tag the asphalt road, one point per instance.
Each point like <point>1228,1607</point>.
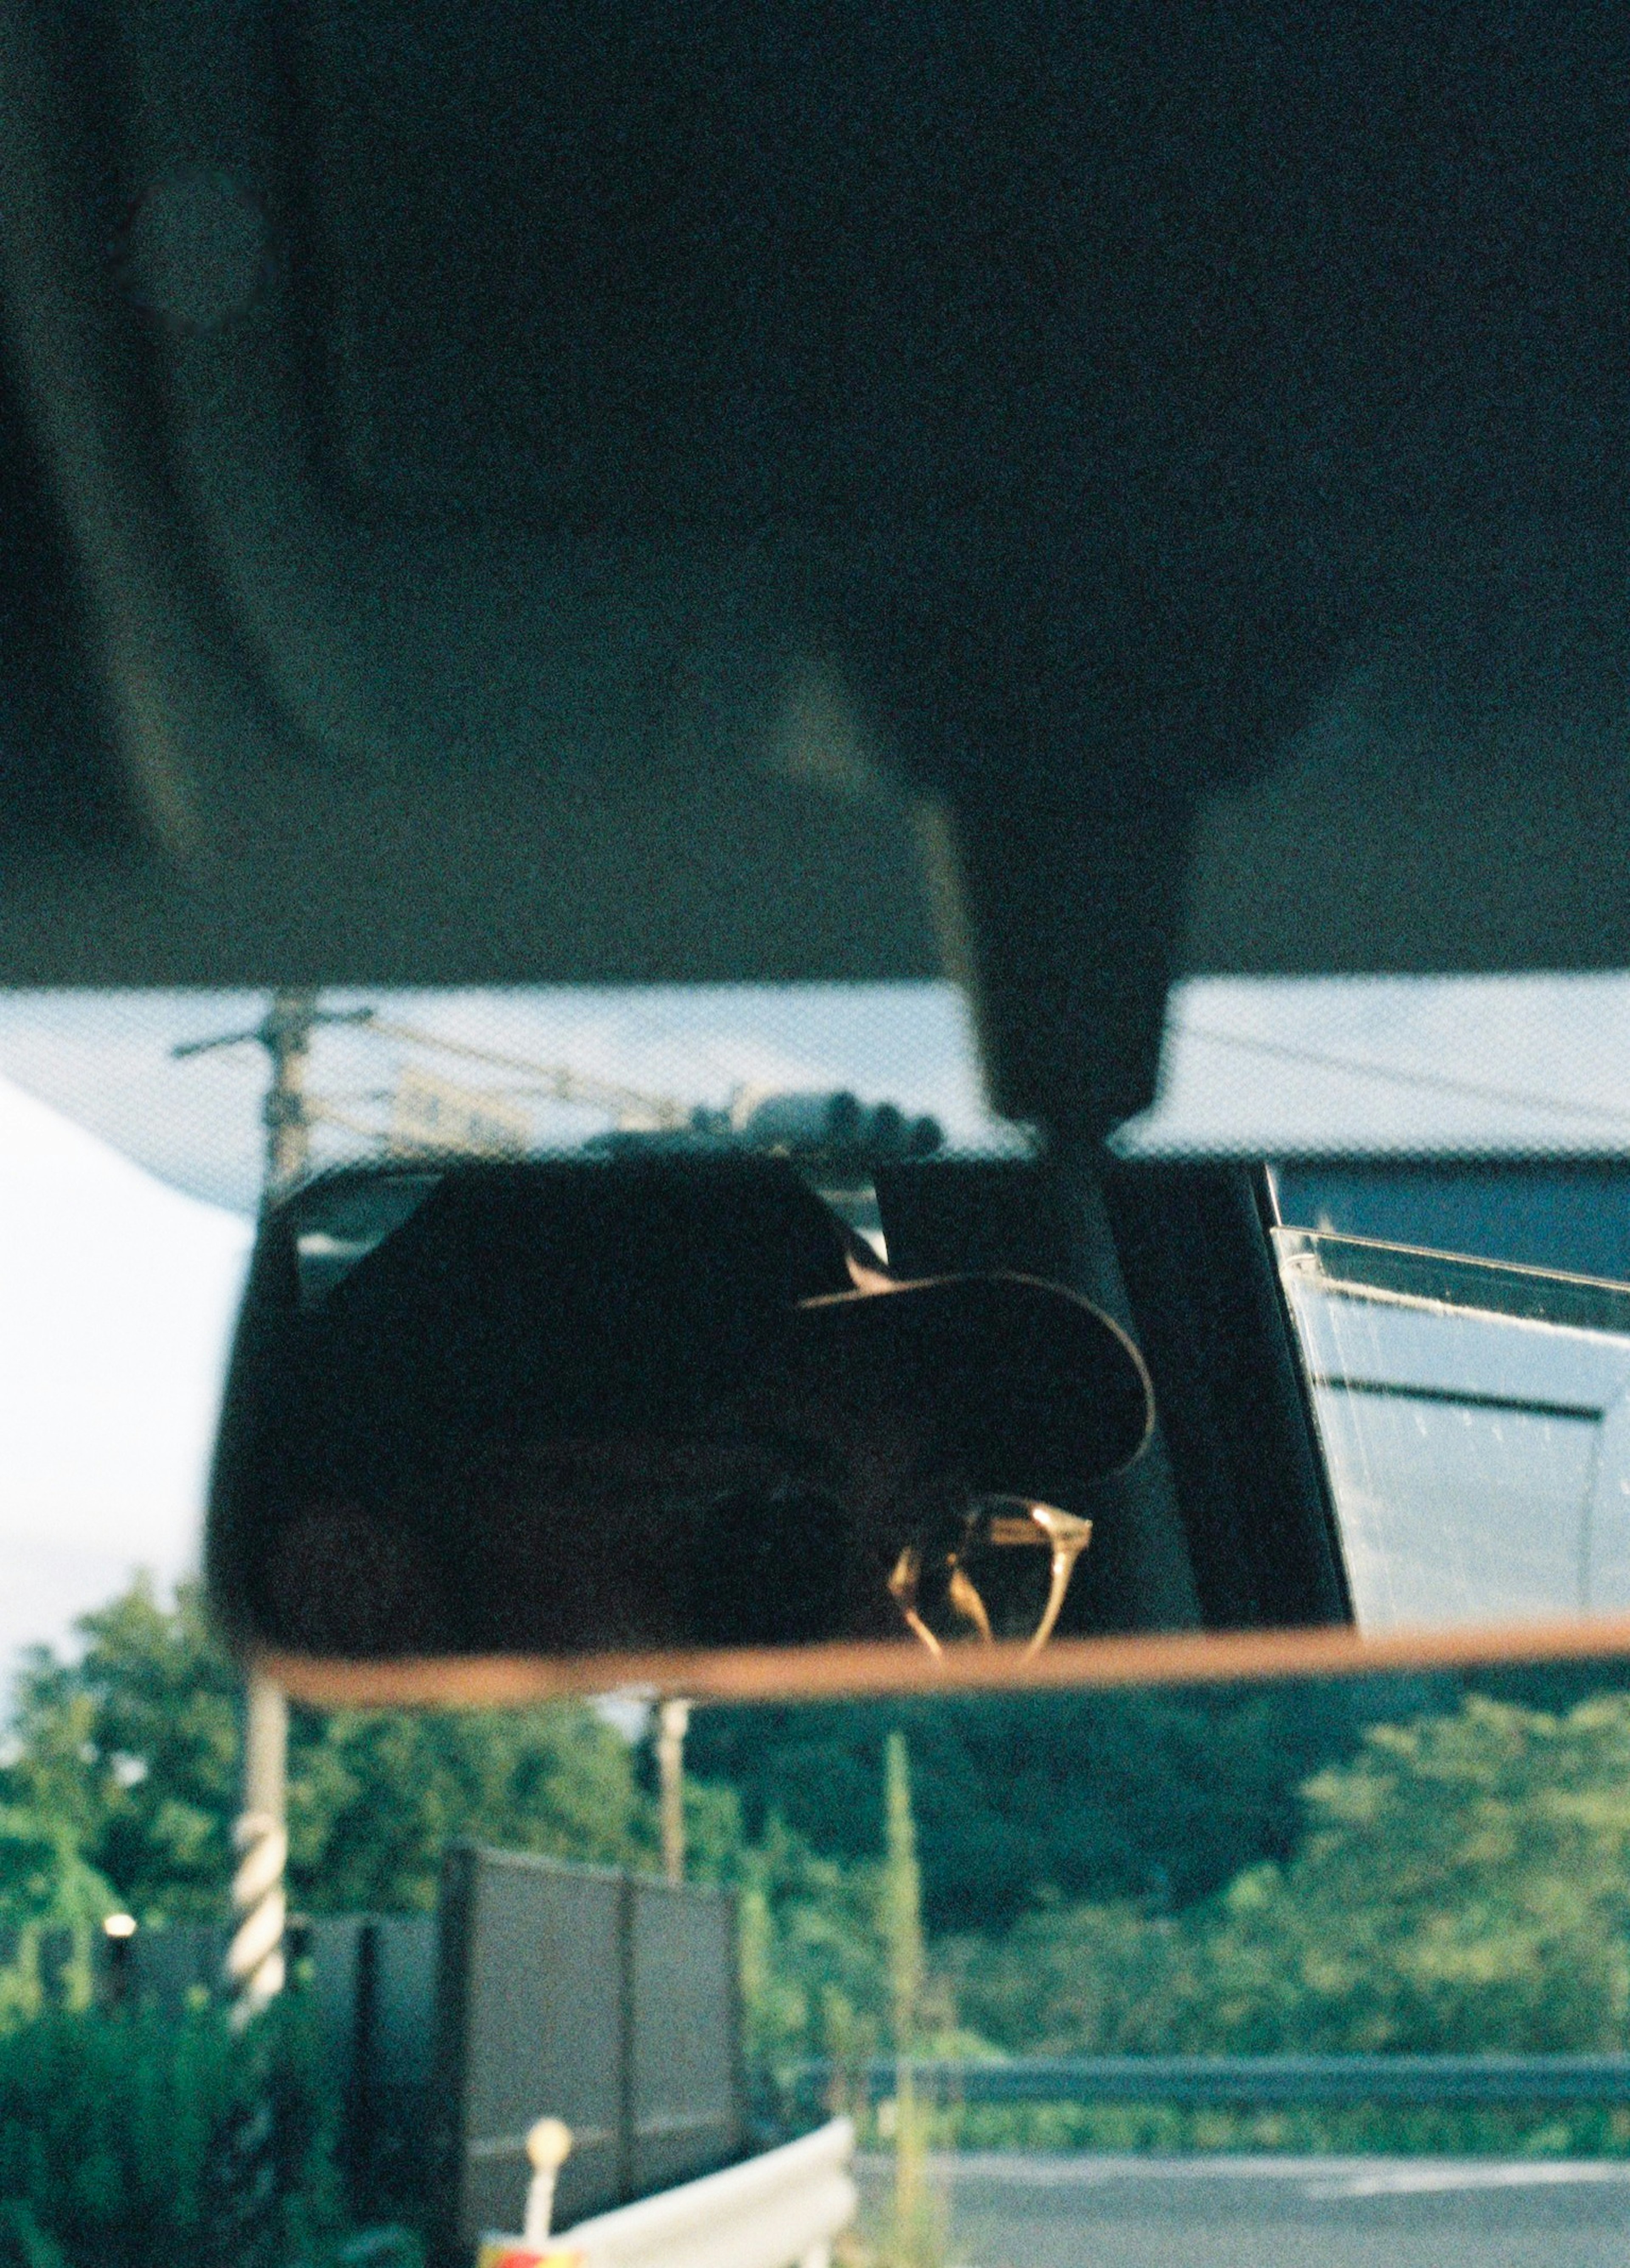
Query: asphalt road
<point>1015,2212</point>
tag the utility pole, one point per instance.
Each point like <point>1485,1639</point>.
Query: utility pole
<point>255,1960</point>
<point>286,1035</point>
<point>673,1723</point>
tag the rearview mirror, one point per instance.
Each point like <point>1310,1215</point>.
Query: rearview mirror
<point>656,1405</point>
<point>665,1417</point>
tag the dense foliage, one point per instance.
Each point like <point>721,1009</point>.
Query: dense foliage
<point>146,2142</point>
<point>1391,1867</point>
<point>128,1758</point>
<point>1463,1883</point>
<point>1157,1797</point>
<point>1394,1867</point>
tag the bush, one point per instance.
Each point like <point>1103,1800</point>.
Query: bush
<point>129,2140</point>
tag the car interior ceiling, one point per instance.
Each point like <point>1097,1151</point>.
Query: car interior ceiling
<point>1292,483</point>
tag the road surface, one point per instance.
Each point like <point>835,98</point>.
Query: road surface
<point>1023,2212</point>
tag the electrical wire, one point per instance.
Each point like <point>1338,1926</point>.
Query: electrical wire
<point>557,1082</point>
<point>1396,1075</point>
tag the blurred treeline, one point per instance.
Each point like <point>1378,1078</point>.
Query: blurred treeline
<point>1461,1883</point>
<point>1376,1865</point>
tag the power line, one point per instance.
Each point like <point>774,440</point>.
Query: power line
<point>1396,1075</point>
<point>557,1082</point>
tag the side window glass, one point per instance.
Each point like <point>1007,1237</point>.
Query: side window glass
<point>1475,1422</point>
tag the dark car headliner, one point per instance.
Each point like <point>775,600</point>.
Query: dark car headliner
<point>764,492</point>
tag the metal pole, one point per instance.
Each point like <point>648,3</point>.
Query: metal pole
<point>254,1963</point>
<point>673,1723</point>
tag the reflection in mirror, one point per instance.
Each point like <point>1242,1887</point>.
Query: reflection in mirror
<point>667,1402</point>
<point>960,1573</point>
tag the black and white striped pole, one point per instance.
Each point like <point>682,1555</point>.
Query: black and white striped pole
<point>255,1966</point>
<point>255,1959</point>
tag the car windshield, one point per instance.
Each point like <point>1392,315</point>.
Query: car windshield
<point>815,1135</point>
<point>136,1130</point>
<point>974,1926</point>
<point>1393,1118</point>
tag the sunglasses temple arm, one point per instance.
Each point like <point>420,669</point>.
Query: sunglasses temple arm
<point>1069,1543</point>
<point>903,1589</point>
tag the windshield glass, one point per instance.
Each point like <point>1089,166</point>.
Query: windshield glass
<point>752,1915</point>
<point>179,1080</point>
<point>139,1131</point>
<point>1468,1116</point>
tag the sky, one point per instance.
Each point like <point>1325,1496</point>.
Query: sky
<point>1272,1067</point>
<point>106,1059</point>
<point>119,1296</point>
<point>129,1177</point>
<point>1250,1067</point>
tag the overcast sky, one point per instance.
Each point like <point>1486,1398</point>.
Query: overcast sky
<point>118,1300</point>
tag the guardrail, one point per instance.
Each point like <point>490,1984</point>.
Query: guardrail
<point>780,2209</point>
<point>1253,2081</point>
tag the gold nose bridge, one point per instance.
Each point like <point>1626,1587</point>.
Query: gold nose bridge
<point>1064,1534</point>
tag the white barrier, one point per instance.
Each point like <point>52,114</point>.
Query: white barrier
<point>780,2210</point>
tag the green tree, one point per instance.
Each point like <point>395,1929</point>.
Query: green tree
<point>1075,1980</point>
<point>1463,1884</point>
<point>814,1978</point>
<point>374,1797</point>
<point>133,1748</point>
<point>1161,1798</point>
<point>131,1753</point>
<point>46,1886</point>
<point>44,1882</point>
